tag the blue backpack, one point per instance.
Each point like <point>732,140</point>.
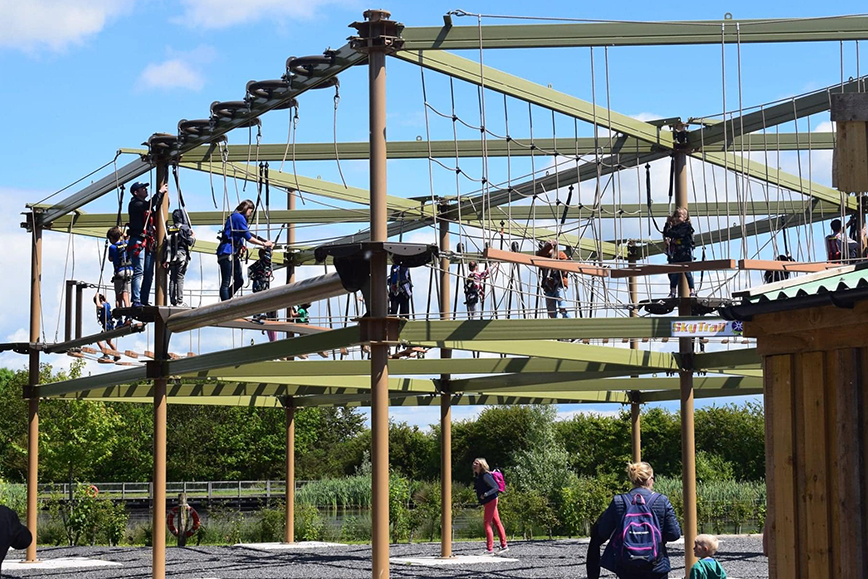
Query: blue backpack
<point>639,539</point>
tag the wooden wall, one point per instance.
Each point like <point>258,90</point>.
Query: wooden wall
<point>816,453</point>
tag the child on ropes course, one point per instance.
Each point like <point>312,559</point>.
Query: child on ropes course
<point>678,236</point>
<point>123,268</point>
<point>400,290</point>
<point>104,317</point>
<point>554,283</point>
<point>474,289</point>
<point>176,255</point>
<point>261,274</point>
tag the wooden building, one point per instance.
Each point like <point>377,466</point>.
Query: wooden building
<point>812,334</point>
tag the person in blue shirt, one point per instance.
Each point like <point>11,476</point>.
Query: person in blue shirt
<point>400,290</point>
<point>104,317</point>
<point>642,477</point>
<point>232,245</point>
<point>123,267</point>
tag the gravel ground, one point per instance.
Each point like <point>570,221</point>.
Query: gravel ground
<point>741,557</point>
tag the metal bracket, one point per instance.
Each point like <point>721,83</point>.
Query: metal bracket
<point>377,34</point>
<point>380,330</point>
<point>155,369</point>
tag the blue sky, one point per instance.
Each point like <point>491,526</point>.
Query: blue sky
<point>83,79</point>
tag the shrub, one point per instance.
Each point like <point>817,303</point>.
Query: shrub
<point>308,523</point>
<point>427,502</point>
<point>581,503</point>
<point>356,528</point>
<point>271,523</point>
<point>524,511</point>
<point>399,507</point>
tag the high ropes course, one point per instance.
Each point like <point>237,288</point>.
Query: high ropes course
<point>535,187</point>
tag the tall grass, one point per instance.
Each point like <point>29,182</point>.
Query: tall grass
<point>720,505</point>
<point>353,491</point>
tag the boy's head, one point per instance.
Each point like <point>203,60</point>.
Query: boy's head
<point>472,266</point>
<point>835,225</point>
<point>114,234</point>
<point>265,254</point>
<point>704,546</point>
<point>99,299</point>
<point>178,217</point>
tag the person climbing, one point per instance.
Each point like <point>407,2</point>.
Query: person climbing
<point>474,288</point>
<point>638,525</point>
<point>837,241</point>
<point>261,274</point>
<point>678,236</point>
<point>141,244</point>
<point>232,247</point>
<point>773,275</point>
<point>123,268</point>
<point>554,283</point>
<point>487,491</point>
<point>104,318</point>
<point>400,290</point>
<point>176,255</point>
<point>300,314</point>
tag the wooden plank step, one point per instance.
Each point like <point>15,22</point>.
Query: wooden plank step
<point>89,350</point>
<point>658,269</point>
<point>110,352</point>
<point>568,266</point>
<point>774,265</point>
<point>131,354</point>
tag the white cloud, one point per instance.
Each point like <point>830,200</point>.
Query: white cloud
<point>180,70</point>
<point>54,24</point>
<point>225,13</point>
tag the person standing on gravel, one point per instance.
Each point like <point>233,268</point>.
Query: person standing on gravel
<point>638,525</point>
<point>12,532</point>
<point>487,490</point>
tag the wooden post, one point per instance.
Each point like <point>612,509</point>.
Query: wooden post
<point>445,406</point>
<point>79,308</point>
<point>161,355</point>
<point>685,348</point>
<point>33,380</point>
<point>289,409</point>
<point>183,517</point>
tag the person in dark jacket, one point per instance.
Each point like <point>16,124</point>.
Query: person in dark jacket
<point>642,476</point>
<point>12,532</point>
<point>678,235</point>
<point>140,249</point>
<point>486,494</point>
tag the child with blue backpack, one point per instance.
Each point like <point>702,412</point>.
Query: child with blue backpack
<point>638,525</point>
<point>104,318</point>
<point>488,486</point>
<point>123,267</point>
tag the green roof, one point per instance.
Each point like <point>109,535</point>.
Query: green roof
<point>846,277</point>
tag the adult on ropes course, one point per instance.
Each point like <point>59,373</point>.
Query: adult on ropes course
<point>142,242</point>
<point>233,246</point>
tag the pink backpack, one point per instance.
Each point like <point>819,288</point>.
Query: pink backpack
<point>498,478</point>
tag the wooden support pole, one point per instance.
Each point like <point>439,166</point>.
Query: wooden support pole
<point>33,380</point>
<point>374,40</point>
<point>445,406</point>
<point>161,343</point>
<point>290,471</point>
<point>685,347</point>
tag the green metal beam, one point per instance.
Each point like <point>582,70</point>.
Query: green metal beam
<point>321,342</point>
<point>789,110</point>
<point>635,33</point>
<point>308,185</point>
<point>202,246</point>
<point>743,357</point>
<point>517,87</point>
<point>270,371</point>
<point>129,376</point>
<point>563,351</point>
<point>543,329</point>
<point>556,386</point>
<point>773,176</point>
<point>495,147</point>
<point>667,395</point>
<point>542,382</point>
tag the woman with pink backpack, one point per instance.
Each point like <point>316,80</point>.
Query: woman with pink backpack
<point>488,485</point>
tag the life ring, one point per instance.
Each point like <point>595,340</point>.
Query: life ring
<point>92,491</point>
<point>170,521</point>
